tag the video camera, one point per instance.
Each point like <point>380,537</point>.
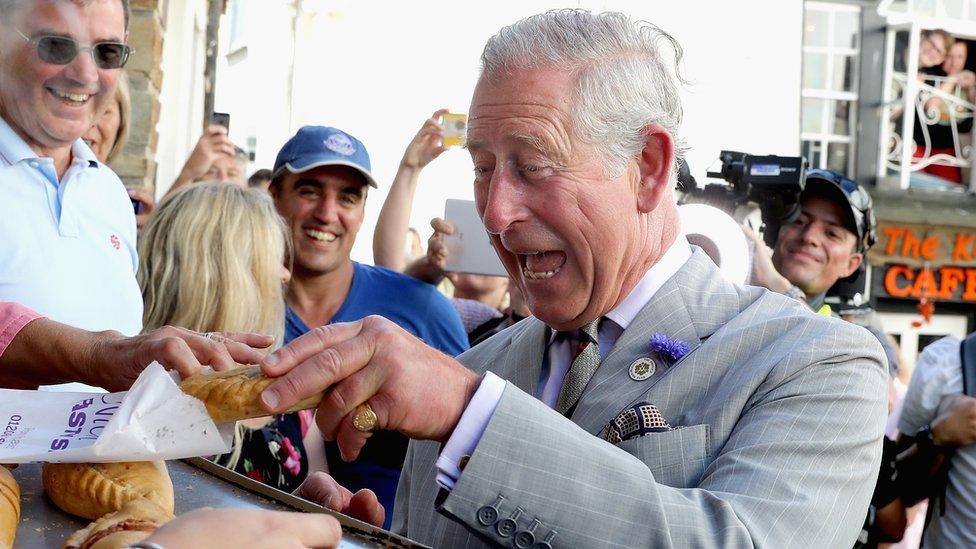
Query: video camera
<point>772,182</point>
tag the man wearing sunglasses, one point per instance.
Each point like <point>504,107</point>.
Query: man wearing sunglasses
<point>69,239</point>
<point>826,243</point>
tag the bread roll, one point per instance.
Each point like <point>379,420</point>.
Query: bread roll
<point>232,395</point>
<point>9,508</point>
<point>91,490</point>
<point>131,524</point>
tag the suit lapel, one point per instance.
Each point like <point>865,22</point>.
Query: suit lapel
<point>688,307</point>
<point>523,361</point>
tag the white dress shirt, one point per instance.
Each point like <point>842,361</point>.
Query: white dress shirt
<point>559,358</point>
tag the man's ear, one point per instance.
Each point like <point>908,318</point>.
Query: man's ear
<point>853,263</point>
<point>655,166</point>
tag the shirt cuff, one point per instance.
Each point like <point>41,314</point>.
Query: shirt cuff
<point>469,430</point>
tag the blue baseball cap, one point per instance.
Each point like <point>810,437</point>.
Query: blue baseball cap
<point>317,146</point>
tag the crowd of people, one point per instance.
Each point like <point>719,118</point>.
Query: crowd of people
<point>613,390</point>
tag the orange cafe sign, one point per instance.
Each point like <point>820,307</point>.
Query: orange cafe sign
<point>926,261</point>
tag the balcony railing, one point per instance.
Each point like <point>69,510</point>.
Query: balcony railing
<point>933,113</point>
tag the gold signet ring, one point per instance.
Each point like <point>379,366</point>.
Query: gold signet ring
<point>365,418</point>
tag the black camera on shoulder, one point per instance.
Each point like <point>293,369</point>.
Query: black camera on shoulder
<point>772,182</point>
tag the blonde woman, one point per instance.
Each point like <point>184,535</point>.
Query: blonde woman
<point>212,259</point>
<point>107,137</point>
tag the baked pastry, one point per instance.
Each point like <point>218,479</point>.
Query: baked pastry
<point>131,524</point>
<point>232,395</point>
<point>91,490</point>
<point>9,508</point>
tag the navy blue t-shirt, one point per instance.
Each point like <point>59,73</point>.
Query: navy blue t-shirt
<point>421,310</point>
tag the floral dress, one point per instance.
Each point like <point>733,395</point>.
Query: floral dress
<point>274,454</point>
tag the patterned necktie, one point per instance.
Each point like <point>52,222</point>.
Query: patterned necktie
<point>586,362</point>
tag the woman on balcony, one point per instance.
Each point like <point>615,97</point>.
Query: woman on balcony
<point>940,122</point>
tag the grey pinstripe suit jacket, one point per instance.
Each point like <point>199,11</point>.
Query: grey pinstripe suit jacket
<point>778,413</point>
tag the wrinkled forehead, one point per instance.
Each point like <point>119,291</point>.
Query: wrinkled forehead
<point>84,20</point>
<point>532,107</point>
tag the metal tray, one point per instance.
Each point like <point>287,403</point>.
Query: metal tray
<point>197,483</point>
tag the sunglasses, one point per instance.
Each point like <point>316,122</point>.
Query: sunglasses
<point>858,198</point>
<point>60,50</point>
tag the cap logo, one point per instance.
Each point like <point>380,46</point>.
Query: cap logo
<point>340,144</point>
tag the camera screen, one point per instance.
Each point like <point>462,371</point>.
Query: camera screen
<point>764,169</point>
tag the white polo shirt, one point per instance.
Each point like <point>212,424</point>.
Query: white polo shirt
<point>67,249</point>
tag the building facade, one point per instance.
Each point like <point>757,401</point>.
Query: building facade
<point>873,73</point>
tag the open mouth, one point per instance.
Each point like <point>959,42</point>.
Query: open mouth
<point>73,99</point>
<point>542,265</point>
<point>320,236</point>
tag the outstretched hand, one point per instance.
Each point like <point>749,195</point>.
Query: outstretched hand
<point>322,489</point>
<point>436,248</point>
<point>413,388</point>
<point>212,144</point>
<point>114,361</point>
<point>427,144</point>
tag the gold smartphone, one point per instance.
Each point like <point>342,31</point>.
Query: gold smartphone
<point>455,128</point>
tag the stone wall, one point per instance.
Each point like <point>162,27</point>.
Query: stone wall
<point>136,165</point>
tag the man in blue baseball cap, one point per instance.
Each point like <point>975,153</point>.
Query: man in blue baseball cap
<point>319,184</point>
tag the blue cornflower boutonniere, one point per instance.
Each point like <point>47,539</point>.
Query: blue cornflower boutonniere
<point>667,348</point>
<point>664,349</point>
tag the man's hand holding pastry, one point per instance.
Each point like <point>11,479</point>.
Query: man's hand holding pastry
<point>114,361</point>
<point>410,387</point>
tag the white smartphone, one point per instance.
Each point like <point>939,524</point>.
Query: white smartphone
<point>468,249</point>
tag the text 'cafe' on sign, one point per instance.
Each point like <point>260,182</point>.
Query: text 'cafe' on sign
<point>931,261</point>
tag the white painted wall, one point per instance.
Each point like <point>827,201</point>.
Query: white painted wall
<point>253,75</point>
<point>377,69</point>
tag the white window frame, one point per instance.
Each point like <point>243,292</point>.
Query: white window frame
<point>824,139</point>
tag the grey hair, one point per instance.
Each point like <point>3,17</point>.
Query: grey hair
<point>623,83</point>
<point>8,7</point>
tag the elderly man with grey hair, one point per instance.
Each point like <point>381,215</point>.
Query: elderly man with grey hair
<point>648,402</point>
